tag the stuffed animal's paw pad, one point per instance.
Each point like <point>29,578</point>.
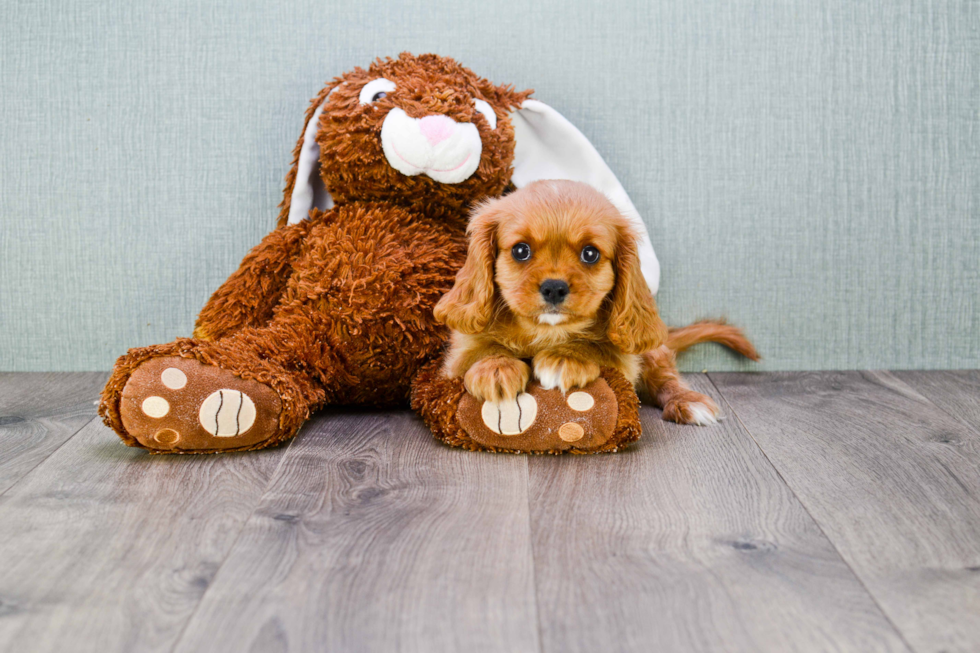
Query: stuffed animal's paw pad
<point>173,378</point>
<point>571,432</point>
<point>580,401</point>
<point>155,407</point>
<point>166,436</point>
<point>510,417</point>
<point>227,413</point>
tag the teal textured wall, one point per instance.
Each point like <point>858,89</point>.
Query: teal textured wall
<point>809,168</point>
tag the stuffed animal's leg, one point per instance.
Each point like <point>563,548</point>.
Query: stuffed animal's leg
<point>246,391</point>
<point>662,382</point>
<point>249,296</point>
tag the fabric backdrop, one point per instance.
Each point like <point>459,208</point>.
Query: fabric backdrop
<point>809,169</point>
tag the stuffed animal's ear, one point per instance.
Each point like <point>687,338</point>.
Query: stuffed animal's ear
<point>634,323</point>
<point>468,306</point>
<point>550,147</point>
<point>304,186</point>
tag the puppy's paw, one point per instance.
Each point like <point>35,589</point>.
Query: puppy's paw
<point>554,371</point>
<point>497,378</point>
<point>692,408</point>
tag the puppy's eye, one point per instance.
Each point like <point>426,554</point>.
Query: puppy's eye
<point>375,90</point>
<point>487,111</point>
<point>590,255</point>
<point>521,252</point>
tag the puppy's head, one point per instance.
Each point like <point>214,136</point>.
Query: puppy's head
<point>563,258</point>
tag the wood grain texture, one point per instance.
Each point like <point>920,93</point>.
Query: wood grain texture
<point>957,392</point>
<point>38,413</point>
<point>855,525</point>
<point>373,537</point>
<point>689,542</point>
<point>892,480</point>
<point>106,548</point>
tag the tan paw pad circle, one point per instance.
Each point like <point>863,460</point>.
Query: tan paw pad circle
<point>166,436</point>
<point>173,378</point>
<point>227,413</point>
<point>580,401</point>
<point>571,432</point>
<point>510,417</point>
<point>155,407</point>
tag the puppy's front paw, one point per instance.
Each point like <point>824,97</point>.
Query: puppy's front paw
<point>497,378</point>
<point>692,408</point>
<point>554,371</point>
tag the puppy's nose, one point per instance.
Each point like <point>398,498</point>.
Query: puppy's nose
<point>554,291</point>
<point>437,128</point>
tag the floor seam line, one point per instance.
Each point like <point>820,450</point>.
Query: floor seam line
<point>534,563</point>
<point>816,523</point>
<point>970,427</point>
<point>238,536</point>
<point>45,459</point>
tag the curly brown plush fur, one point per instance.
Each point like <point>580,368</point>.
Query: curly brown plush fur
<point>338,308</point>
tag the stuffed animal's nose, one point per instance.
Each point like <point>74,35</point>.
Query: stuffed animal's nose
<point>437,128</point>
<point>554,291</point>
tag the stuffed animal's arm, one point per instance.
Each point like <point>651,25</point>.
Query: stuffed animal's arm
<point>251,293</point>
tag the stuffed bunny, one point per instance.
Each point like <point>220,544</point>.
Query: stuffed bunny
<point>335,305</point>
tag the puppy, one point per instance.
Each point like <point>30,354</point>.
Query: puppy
<point>552,276</point>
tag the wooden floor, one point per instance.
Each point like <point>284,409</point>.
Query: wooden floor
<point>829,512</point>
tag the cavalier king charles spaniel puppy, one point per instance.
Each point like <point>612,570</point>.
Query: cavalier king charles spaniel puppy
<point>552,276</point>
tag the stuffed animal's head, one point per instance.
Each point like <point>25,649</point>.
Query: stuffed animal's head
<point>416,130</point>
<point>426,132</point>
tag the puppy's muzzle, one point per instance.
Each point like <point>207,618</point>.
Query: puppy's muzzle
<point>554,291</point>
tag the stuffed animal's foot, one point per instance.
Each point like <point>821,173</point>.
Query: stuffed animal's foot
<point>179,405</point>
<point>692,408</point>
<point>602,416</point>
<point>544,419</point>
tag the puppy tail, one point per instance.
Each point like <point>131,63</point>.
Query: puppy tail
<point>682,338</point>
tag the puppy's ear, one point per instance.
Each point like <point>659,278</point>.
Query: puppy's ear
<point>548,146</point>
<point>468,306</point>
<point>304,185</point>
<point>634,324</point>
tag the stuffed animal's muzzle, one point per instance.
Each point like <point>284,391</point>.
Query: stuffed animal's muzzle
<point>438,146</point>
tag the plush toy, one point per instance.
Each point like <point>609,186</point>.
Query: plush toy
<point>335,305</point>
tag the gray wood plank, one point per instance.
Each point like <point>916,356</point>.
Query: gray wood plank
<point>689,541</point>
<point>106,548</point>
<point>893,480</point>
<point>955,391</point>
<point>374,537</point>
<point>38,413</point>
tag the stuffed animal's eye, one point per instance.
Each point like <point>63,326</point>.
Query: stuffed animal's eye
<point>487,111</point>
<point>375,90</point>
<point>590,255</point>
<point>521,252</point>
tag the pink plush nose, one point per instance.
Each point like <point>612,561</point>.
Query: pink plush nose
<point>437,128</point>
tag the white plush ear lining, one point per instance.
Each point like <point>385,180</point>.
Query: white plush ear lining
<point>308,191</point>
<point>550,147</point>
